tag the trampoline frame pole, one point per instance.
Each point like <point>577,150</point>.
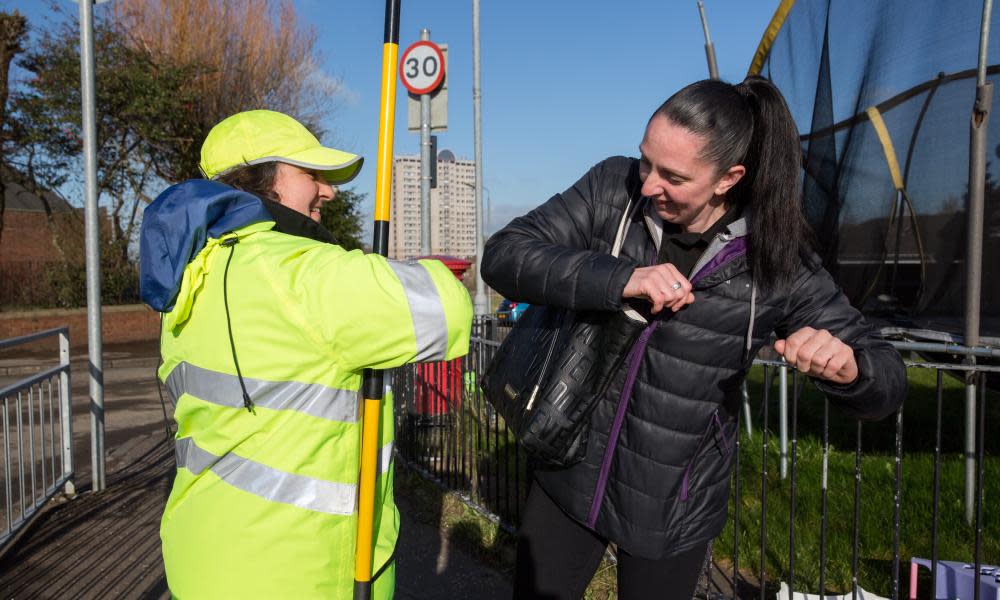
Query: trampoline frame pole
<point>713,68</point>
<point>979,126</point>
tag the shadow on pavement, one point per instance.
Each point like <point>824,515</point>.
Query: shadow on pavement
<point>103,544</point>
<point>437,560</point>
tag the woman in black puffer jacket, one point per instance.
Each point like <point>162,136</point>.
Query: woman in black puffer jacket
<point>716,215</point>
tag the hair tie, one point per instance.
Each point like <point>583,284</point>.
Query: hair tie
<point>743,89</point>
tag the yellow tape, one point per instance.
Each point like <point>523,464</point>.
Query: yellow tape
<point>769,35</point>
<point>883,137</point>
<point>387,123</point>
<point>366,491</point>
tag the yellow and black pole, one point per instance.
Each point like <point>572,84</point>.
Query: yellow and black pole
<point>372,386</point>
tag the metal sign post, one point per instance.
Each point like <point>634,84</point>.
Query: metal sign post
<point>92,242</point>
<point>480,302</point>
<point>422,71</point>
<point>425,159</point>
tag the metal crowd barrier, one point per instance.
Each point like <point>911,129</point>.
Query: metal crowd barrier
<point>979,374</point>
<point>452,436</point>
<point>37,437</point>
<point>449,433</point>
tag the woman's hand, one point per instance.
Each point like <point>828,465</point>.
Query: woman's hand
<point>819,354</point>
<point>663,285</point>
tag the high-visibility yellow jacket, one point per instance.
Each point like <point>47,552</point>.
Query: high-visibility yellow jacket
<point>265,503</point>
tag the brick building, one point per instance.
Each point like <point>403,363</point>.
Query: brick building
<point>38,231</point>
<point>32,226</point>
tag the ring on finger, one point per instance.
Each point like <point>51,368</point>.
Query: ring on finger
<point>676,285</point>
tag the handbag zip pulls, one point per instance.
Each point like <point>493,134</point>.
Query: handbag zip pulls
<point>545,365</point>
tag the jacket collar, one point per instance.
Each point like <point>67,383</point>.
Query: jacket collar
<point>736,229</point>
<point>295,223</point>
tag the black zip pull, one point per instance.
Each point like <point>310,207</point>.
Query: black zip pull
<point>247,402</point>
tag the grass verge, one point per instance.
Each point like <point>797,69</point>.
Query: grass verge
<point>875,518</point>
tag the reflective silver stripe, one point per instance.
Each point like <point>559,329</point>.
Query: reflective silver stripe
<point>386,460</point>
<point>429,323</point>
<point>267,482</point>
<point>224,389</point>
<point>193,458</point>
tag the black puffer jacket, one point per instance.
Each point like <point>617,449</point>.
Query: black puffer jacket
<point>655,479</point>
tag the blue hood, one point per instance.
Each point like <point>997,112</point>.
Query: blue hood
<point>175,227</point>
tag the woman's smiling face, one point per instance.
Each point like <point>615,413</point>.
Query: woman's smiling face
<point>302,190</point>
<point>685,189</point>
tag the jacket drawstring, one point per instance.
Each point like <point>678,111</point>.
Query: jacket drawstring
<point>753,314</point>
<point>230,241</point>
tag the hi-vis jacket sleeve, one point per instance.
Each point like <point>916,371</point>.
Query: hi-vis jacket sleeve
<point>380,313</point>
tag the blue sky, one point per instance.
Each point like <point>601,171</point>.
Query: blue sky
<point>564,84</point>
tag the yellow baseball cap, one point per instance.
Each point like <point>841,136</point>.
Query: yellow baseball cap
<point>259,136</point>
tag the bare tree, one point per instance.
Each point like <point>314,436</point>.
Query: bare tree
<point>167,71</point>
<point>245,54</point>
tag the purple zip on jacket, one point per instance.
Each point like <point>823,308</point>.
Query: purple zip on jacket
<point>730,252</point>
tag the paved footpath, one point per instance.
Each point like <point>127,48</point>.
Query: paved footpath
<point>106,545</point>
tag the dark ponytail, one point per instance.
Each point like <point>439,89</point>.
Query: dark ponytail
<point>779,233</point>
<point>750,124</point>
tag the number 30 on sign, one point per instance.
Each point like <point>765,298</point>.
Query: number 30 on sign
<point>422,67</point>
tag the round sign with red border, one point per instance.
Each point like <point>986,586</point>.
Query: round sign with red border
<point>422,67</point>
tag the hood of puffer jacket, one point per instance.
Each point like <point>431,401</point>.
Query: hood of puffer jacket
<point>176,227</point>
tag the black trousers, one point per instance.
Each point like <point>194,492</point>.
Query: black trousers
<point>557,557</point>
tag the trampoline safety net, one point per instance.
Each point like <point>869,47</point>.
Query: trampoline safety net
<point>850,67</point>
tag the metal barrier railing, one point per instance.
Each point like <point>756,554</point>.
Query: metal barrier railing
<point>852,506</point>
<point>36,431</point>
<point>447,430</point>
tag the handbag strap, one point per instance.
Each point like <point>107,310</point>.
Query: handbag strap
<point>616,247</point>
<point>620,241</point>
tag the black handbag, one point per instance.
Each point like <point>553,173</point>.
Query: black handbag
<point>551,370</point>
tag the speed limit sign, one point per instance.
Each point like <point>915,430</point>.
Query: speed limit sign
<point>422,67</point>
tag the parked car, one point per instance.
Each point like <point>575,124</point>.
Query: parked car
<point>509,311</point>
